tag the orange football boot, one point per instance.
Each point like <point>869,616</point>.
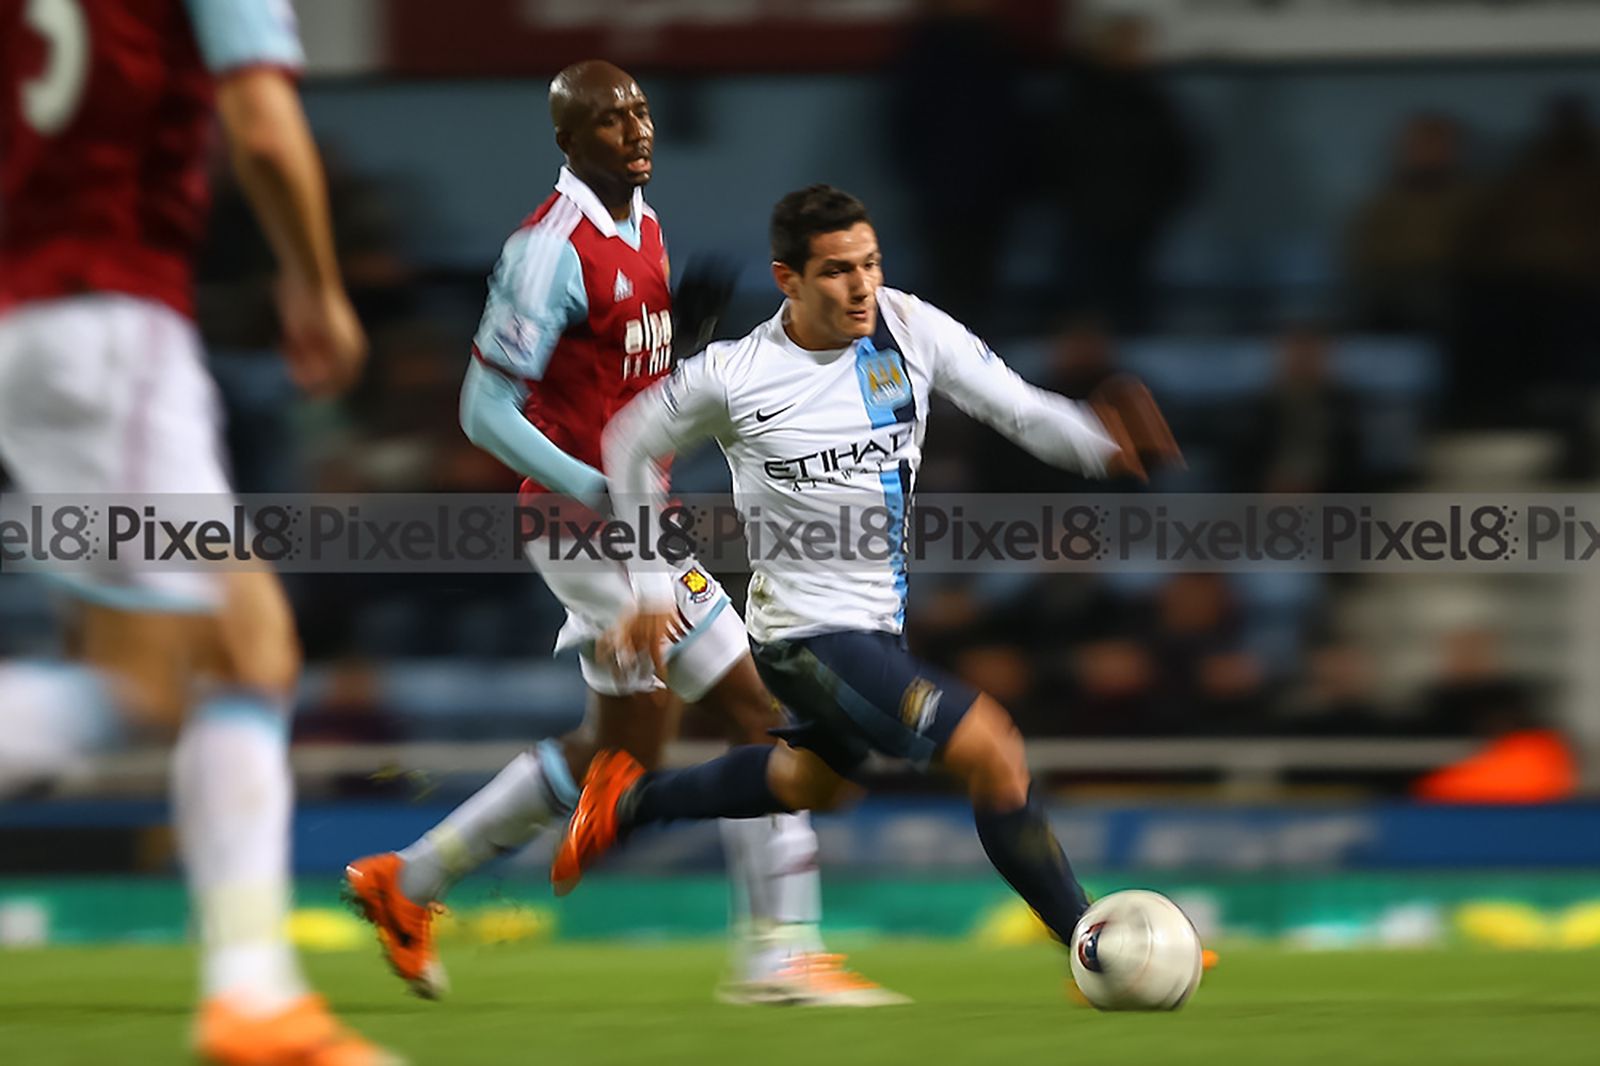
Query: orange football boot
<point>405,929</point>
<point>304,1034</point>
<point>593,828</point>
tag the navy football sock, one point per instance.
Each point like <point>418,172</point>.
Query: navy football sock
<point>1024,849</point>
<point>732,786</point>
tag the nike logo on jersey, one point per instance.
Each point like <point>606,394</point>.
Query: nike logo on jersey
<point>622,289</point>
<point>765,416</point>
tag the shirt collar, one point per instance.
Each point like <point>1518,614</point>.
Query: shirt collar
<point>780,337</point>
<point>573,188</point>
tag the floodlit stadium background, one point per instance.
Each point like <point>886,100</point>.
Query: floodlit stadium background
<point>1354,247</point>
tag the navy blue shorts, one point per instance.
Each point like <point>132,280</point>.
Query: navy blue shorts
<point>855,692</point>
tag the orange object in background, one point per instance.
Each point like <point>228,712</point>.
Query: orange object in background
<point>1528,766</point>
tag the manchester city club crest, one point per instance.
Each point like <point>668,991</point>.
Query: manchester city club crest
<point>886,381</point>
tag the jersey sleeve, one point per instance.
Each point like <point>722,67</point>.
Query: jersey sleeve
<point>245,33</point>
<point>1060,431</point>
<point>491,417</point>
<point>535,294</point>
<point>688,406</point>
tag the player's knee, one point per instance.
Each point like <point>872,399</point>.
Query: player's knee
<point>834,794</point>
<point>803,782</point>
<point>271,666</point>
<point>987,753</point>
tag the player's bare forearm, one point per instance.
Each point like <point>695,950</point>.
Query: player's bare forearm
<point>281,174</point>
<point>278,167</point>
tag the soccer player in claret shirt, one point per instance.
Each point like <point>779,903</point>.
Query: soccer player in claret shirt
<point>107,110</point>
<point>821,413</point>
<point>578,320</point>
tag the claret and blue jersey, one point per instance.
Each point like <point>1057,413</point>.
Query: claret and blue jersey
<point>577,321</point>
<point>105,130</point>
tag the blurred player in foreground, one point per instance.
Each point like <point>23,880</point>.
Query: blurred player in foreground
<point>579,319</point>
<point>821,413</point>
<point>105,127</point>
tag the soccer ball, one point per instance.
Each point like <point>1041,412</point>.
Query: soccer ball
<point>1136,950</point>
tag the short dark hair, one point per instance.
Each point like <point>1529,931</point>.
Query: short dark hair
<point>807,213</point>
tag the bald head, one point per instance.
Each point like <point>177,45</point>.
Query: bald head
<point>603,127</point>
<point>586,88</point>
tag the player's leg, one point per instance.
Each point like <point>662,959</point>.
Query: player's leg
<point>108,394</point>
<point>233,802</point>
<point>231,787</point>
<point>399,891</point>
<point>535,789</point>
<point>52,714</point>
<point>772,861</point>
<point>868,685</point>
<point>116,399</point>
<point>778,953</point>
<point>985,752</point>
<point>750,781</point>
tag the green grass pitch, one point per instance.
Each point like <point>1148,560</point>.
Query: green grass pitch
<point>574,1004</point>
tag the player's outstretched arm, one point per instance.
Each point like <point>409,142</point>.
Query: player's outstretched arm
<point>1057,430</point>
<point>278,167</point>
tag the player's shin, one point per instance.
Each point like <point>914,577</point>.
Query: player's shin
<point>985,751</point>
<point>772,863</point>
<point>232,794</point>
<point>511,810</point>
<point>1024,849</point>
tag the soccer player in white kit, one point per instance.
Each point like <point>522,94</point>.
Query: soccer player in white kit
<point>821,412</point>
<point>577,322</point>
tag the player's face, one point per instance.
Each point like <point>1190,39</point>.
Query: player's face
<point>613,149</point>
<point>834,302</point>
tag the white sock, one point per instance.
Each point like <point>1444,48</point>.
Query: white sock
<point>772,865</point>
<point>501,817</point>
<point>51,716</point>
<point>232,796</point>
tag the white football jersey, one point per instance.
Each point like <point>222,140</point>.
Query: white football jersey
<point>833,437</point>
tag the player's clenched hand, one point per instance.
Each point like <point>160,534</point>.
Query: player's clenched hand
<point>643,633</point>
<point>1128,411</point>
<point>322,339</point>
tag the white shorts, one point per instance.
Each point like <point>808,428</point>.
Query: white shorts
<point>596,598</point>
<point>110,394</point>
